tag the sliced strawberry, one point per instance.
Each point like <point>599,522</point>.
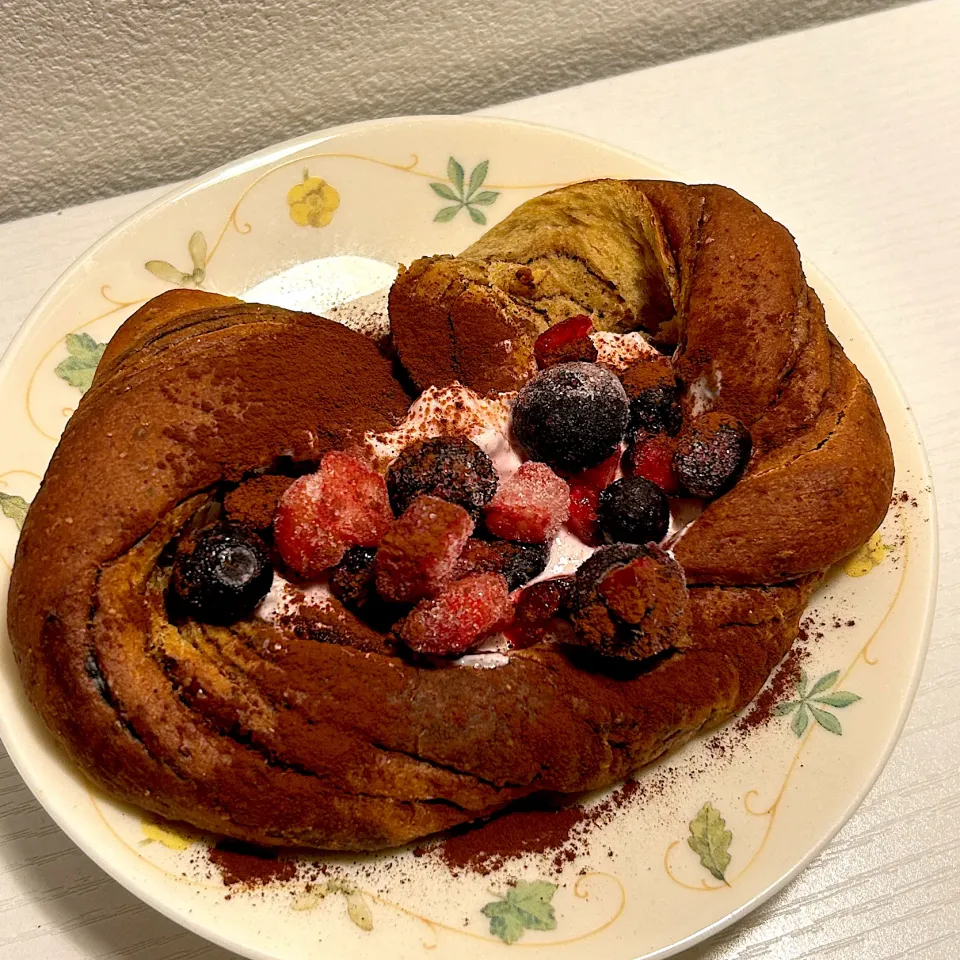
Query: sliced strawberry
<point>321,515</point>
<point>566,342</point>
<point>583,513</point>
<point>652,458</point>
<point>460,616</point>
<point>600,476</point>
<point>530,507</point>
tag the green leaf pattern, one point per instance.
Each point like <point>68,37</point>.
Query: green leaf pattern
<point>197,249</point>
<point>709,839</point>
<point>14,507</point>
<point>811,704</point>
<point>526,906</point>
<point>83,355</point>
<point>468,199</point>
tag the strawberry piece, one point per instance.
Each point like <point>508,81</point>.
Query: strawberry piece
<point>652,458</point>
<point>599,476</point>
<point>419,550</point>
<point>565,342</point>
<point>583,513</point>
<point>321,515</point>
<point>530,507</point>
<point>460,616</point>
<point>537,612</point>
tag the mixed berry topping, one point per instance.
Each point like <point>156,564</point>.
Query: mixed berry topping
<point>451,468</point>
<point>220,573</point>
<point>566,342</point>
<point>518,563</point>
<point>530,507</point>
<point>654,394</point>
<point>633,510</point>
<point>572,416</point>
<point>652,458</point>
<point>420,549</point>
<point>320,516</point>
<point>585,490</point>
<point>459,617</point>
<point>629,601</point>
<point>712,453</point>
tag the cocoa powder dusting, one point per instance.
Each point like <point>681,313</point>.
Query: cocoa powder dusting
<point>249,866</point>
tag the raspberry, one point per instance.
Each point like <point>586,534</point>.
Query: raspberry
<point>529,507</point>
<point>459,617</point>
<point>566,341</point>
<point>652,458</point>
<point>518,563</point>
<point>537,610</point>
<point>583,521</point>
<point>419,551</point>
<point>344,504</point>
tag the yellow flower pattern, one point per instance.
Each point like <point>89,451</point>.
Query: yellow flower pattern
<point>312,202</point>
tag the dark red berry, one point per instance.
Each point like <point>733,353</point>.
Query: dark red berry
<point>220,574</point>
<point>630,601</point>
<point>518,563</point>
<point>572,416</point>
<point>712,453</point>
<point>537,612</point>
<point>652,458</point>
<point>633,510</point>
<point>565,342</point>
<point>654,393</point>
<point>451,468</point>
<point>584,500</point>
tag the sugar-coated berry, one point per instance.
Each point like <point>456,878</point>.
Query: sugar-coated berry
<point>518,563</point>
<point>571,416</point>
<point>220,573</point>
<point>654,393</point>
<point>530,506</point>
<point>451,468</point>
<point>566,341</point>
<point>420,549</point>
<point>459,617</point>
<point>630,601</point>
<point>633,510</point>
<point>321,515</point>
<point>712,453</point>
<point>652,458</point>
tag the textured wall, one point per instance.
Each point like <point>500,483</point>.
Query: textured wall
<point>99,97</point>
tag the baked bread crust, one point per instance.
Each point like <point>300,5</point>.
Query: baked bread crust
<point>255,732</point>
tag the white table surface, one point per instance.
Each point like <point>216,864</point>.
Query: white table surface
<point>850,134</point>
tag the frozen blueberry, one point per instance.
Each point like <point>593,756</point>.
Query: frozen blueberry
<point>711,454</point>
<point>571,416</point>
<point>220,573</point>
<point>633,510</point>
<point>452,468</point>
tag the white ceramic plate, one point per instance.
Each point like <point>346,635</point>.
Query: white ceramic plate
<point>326,218</point>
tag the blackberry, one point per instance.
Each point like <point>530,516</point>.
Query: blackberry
<point>633,510</point>
<point>220,573</point>
<point>518,563</point>
<point>654,393</point>
<point>571,416</point>
<point>711,454</point>
<point>452,468</point>
<point>630,601</point>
